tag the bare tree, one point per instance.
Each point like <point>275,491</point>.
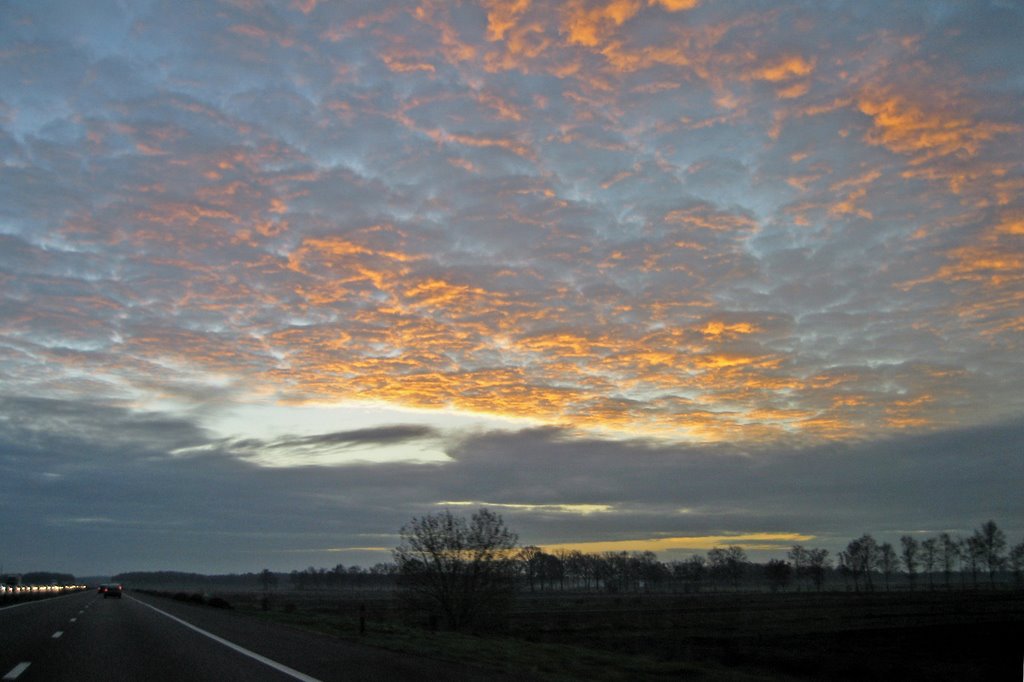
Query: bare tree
<point>1016,561</point>
<point>798,556</point>
<point>951,550</point>
<point>458,569</point>
<point>626,571</point>
<point>652,572</point>
<point>577,565</point>
<point>529,560</point>
<point>991,543</point>
<point>887,561</point>
<point>564,557</point>
<point>809,563</point>
<point>861,558</point>
<point>929,554</point>
<point>845,568</point>
<point>595,571</point>
<point>728,563</point>
<point>778,573</point>
<point>552,570</point>
<point>817,562</point>
<point>690,571</point>
<point>973,552</point>
<point>616,569</point>
<point>908,555</point>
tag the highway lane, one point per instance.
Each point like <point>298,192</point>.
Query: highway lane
<point>86,637</point>
<point>25,627</point>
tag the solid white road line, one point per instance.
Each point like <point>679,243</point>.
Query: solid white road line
<point>280,667</point>
<point>17,670</point>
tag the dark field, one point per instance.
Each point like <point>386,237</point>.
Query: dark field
<point>835,636</point>
<point>792,636</point>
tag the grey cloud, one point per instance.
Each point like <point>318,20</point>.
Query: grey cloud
<point>64,461</point>
<point>53,432</point>
<point>717,173</point>
<point>984,39</point>
<point>282,110</point>
<point>945,480</point>
<point>213,511</point>
<point>383,435</point>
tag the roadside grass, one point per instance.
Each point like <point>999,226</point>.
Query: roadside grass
<point>500,653</point>
<point>730,637</point>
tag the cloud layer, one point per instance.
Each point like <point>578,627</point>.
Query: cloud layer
<point>107,497</point>
<point>689,225</point>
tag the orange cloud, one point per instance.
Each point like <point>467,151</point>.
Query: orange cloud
<point>452,47</point>
<point>589,25</point>
<point>400,64</point>
<point>675,5</point>
<point>504,109</point>
<point>984,263</point>
<point>784,69</point>
<point>503,15</point>
<point>716,329</point>
<point>1011,224</point>
<point>455,298</point>
<point>705,217</point>
<point>794,91</point>
<point>184,214</point>
<point>910,128</point>
<point>564,345</point>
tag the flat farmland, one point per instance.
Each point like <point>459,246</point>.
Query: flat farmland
<point>736,636</point>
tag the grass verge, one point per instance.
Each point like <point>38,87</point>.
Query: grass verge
<point>514,656</point>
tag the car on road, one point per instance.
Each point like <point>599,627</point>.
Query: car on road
<point>111,590</point>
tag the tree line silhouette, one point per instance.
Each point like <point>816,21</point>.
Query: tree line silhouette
<point>462,570</point>
<point>983,553</point>
<point>946,561</point>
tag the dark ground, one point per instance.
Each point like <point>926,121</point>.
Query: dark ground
<point>923,635</point>
<point>837,636</point>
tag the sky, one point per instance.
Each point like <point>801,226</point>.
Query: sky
<point>278,276</point>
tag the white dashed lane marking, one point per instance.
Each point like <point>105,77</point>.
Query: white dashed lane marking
<point>17,670</point>
<point>57,634</point>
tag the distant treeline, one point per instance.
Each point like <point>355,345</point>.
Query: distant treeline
<point>41,578</point>
<point>379,575</point>
<point>179,578</point>
<point>981,560</point>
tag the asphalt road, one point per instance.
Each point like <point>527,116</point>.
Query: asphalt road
<point>83,636</point>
